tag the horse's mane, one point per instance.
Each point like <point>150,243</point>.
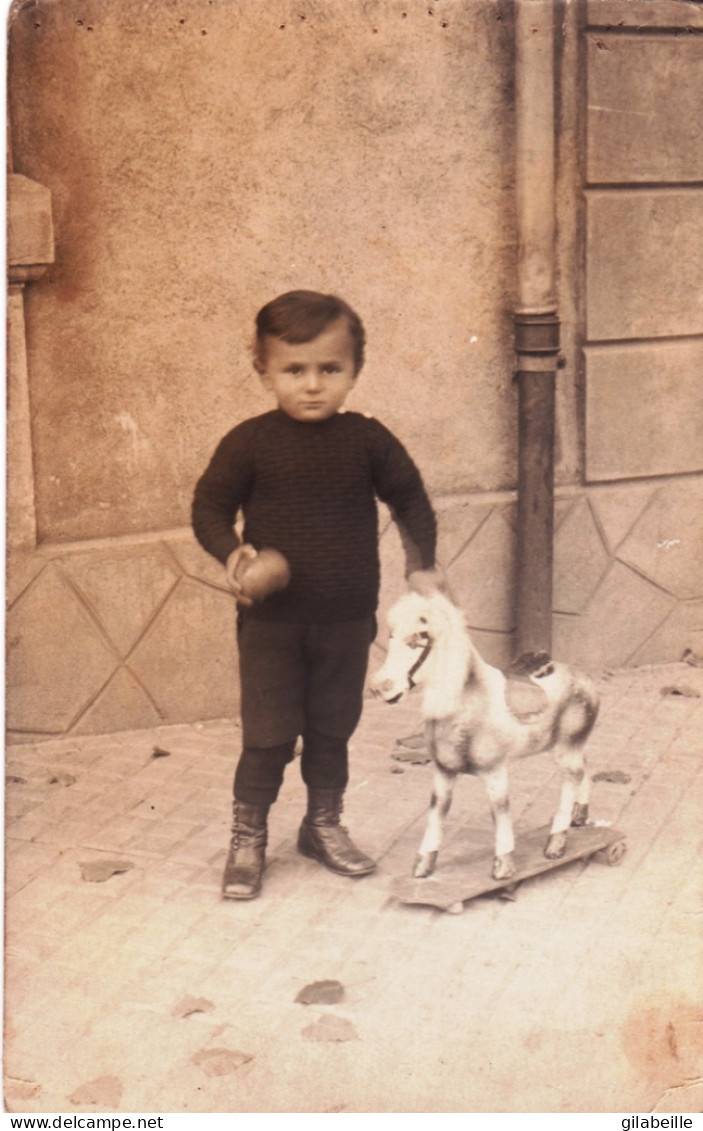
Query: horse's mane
<point>450,658</point>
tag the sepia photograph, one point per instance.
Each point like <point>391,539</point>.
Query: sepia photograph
<point>354,561</point>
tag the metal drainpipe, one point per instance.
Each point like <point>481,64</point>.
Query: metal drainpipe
<point>536,321</point>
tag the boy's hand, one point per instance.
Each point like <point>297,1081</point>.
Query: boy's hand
<point>426,582</point>
<point>245,551</point>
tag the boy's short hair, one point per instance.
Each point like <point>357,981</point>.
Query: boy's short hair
<point>299,316</point>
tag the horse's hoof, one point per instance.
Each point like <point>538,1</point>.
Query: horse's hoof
<point>579,816</point>
<point>424,866</point>
<point>504,867</point>
<point>556,846</point>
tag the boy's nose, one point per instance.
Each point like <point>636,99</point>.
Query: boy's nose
<point>313,379</point>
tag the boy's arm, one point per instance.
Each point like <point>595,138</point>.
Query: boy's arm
<point>427,581</point>
<point>219,493</point>
<point>399,484</point>
<point>424,581</point>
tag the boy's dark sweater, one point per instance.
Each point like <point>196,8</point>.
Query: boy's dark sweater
<point>308,490</point>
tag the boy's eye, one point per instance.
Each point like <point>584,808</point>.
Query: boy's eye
<point>330,368</point>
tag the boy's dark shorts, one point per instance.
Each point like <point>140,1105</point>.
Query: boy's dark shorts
<point>301,677</point>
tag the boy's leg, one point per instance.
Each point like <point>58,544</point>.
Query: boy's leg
<point>338,658</point>
<point>257,781</point>
<point>271,680</point>
<point>259,773</point>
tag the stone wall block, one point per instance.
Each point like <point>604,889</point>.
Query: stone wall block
<point>644,266</point>
<point>124,586</point>
<point>580,559</point>
<point>666,544</point>
<point>482,577</point>
<point>644,123</point>
<point>57,656</point>
<point>187,659</point>
<point>638,14</point>
<point>644,409</point>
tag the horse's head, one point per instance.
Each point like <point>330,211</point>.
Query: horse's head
<point>409,647</point>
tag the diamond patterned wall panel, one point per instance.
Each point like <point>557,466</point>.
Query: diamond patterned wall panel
<point>482,578</point>
<point>57,656</point>
<point>71,618</point>
<point>666,542</point>
<point>618,508</point>
<point>187,660</point>
<point>195,562</point>
<point>22,568</point>
<point>679,635</point>
<point>623,613</point>
<point>456,524</point>
<point>580,559</point>
<point>122,704</point>
<point>124,586</point>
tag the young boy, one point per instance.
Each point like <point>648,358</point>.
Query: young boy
<point>306,476</point>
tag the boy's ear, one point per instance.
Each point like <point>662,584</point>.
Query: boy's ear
<point>263,375</point>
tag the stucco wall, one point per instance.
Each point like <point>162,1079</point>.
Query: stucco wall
<point>206,155</point>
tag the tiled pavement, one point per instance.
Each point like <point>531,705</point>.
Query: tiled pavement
<point>581,995</point>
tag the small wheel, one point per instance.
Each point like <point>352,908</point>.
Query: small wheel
<point>615,854</point>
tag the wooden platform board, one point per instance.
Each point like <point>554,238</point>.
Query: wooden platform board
<point>463,878</point>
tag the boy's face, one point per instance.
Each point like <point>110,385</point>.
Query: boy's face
<point>311,381</point>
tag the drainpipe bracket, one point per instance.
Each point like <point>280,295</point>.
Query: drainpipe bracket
<point>537,333</point>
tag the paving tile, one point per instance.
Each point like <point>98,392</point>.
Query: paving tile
<point>93,970</point>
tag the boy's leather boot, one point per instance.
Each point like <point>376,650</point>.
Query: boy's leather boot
<point>246,857</point>
<point>323,838</point>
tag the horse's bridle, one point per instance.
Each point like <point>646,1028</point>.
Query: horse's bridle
<point>426,649</point>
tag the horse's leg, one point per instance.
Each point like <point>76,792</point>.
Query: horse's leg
<point>573,802</point>
<point>442,790</point>
<point>496,783</point>
<point>579,813</point>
